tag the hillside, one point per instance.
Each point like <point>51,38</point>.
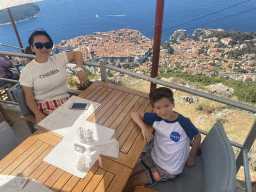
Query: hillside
<point>19,13</point>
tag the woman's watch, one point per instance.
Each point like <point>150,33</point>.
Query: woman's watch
<point>79,69</point>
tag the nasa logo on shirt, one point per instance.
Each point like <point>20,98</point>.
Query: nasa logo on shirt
<point>175,136</point>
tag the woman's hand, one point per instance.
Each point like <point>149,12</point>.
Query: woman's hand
<point>148,136</point>
<point>82,78</point>
<point>39,117</point>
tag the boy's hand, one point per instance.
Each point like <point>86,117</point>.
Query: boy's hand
<point>148,136</point>
<point>191,161</point>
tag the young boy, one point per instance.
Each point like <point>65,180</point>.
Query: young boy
<point>173,135</point>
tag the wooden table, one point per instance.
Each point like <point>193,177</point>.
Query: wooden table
<point>107,174</point>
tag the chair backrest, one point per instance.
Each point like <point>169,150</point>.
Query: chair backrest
<point>219,161</point>
<point>8,140</point>
<point>19,96</point>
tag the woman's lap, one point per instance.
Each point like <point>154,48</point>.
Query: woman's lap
<point>48,107</point>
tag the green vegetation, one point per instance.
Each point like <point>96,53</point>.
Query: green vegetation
<point>20,12</point>
<point>236,36</point>
<point>244,91</point>
<point>251,48</point>
<point>168,46</point>
<point>74,83</point>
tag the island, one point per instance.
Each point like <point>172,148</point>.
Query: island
<point>19,13</point>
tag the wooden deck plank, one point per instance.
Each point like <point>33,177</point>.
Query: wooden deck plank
<point>105,182</point>
<point>61,182</point>
<point>98,94</point>
<point>127,119</point>
<point>121,110</point>
<point>97,177</point>
<point>116,105</point>
<point>94,92</point>
<point>14,154</point>
<point>39,170</point>
<point>36,163</point>
<point>121,172</point>
<point>136,132</point>
<point>30,159</point>
<point>104,95</point>
<point>83,182</point>
<point>120,114</point>
<point>106,110</point>
<point>46,174</point>
<point>21,158</point>
<point>88,90</point>
<point>70,184</point>
<point>123,137</point>
<point>53,178</point>
<point>105,104</point>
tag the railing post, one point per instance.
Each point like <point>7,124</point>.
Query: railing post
<point>247,171</point>
<point>103,70</point>
<point>246,146</point>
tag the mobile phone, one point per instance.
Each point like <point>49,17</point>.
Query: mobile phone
<point>81,106</point>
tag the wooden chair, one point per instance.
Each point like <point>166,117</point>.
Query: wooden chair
<point>214,171</point>
<point>27,114</point>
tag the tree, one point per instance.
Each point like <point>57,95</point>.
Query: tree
<point>170,50</point>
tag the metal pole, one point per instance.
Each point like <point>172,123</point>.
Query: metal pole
<point>246,146</point>
<point>247,171</point>
<point>103,70</point>
<point>14,26</point>
<point>157,40</point>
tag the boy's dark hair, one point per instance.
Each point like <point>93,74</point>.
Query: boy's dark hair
<point>159,93</point>
<point>38,32</point>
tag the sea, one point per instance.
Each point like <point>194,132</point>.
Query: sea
<point>66,19</point>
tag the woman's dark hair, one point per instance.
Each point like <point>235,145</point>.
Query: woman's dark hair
<point>159,93</point>
<point>38,32</point>
<point>28,50</point>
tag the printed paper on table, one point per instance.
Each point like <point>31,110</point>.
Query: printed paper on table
<point>62,119</point>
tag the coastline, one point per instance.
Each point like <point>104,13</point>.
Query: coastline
<point>20,21</point>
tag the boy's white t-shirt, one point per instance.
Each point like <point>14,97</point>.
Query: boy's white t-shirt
<point>171,141</point>
<point>49,79</point>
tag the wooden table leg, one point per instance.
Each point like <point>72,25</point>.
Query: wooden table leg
<point>7,118</point>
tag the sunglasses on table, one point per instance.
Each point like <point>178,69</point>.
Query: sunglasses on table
<point>47,45</point>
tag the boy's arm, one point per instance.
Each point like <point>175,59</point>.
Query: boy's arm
<point>137,117</point>
<point>192,153</point>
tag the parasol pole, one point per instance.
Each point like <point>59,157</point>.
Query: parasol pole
<point>157,40</point>
<point>14,26</point>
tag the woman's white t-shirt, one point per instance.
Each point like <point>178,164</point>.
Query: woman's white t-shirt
<point>49,79</point>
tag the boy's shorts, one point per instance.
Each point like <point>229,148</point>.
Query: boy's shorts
<point>154,173</point>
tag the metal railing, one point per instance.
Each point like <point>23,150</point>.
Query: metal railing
<point>242,158</point>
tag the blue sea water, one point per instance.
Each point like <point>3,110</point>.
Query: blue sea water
<point>65,19</point>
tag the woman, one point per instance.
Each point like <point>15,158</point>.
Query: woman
<point>5,65</point>
<point>44,79</point>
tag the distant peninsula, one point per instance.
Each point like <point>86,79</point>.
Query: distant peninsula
<point>19,13</point>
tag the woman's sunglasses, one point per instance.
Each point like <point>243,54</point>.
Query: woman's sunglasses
<point>47,45</point>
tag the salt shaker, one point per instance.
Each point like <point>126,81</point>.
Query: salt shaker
<point>81,135</point>
<point>89,137</point>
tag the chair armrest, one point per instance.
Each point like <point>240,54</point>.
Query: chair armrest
<point>74,92</point>
<point>30,118</point>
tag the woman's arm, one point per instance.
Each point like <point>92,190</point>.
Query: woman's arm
<point>31,103</point>
<point>77,56</point>
<point>137,117</point>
